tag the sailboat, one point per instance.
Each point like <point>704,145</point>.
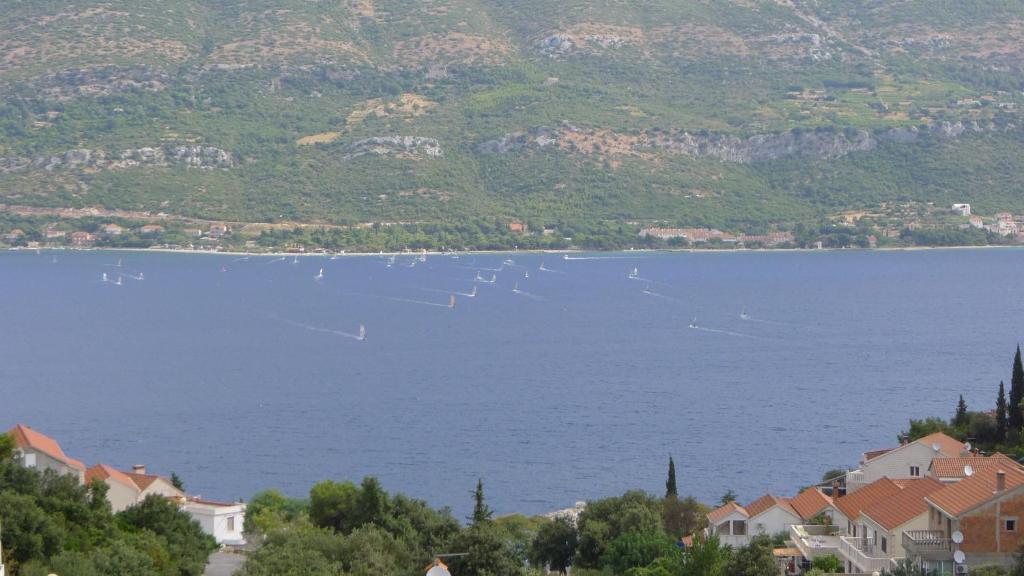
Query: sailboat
<point>743,314</point>
<point>295,259</point>
<point>362,333</point>
<point>516,288</point>
<point>635,273</point>
<point>319,276</point>
<point>118,263</point>
<point>451,303</point>
<point>119,280</point>
<point>423,256</point>
<point>104,278</point>
<point>693,323</point>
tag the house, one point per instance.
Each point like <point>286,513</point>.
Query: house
<point>122,491</point>
<point>223,521</point>
<point>971,523</point>
<point>152,483</point>
<point>53,232</point>
<point>193,232</point>
<point>36,450</point>
<point>962,209</point>
<point>881,524</point>
<point>769,515</point>
<point>949,470</point>
<point>219,229</point>
<point>82,239</point>
<point>14,235</point>
<point>908,461</point>
<point>112,230</point>
<point>517,227</point>
<point>151,230</point>
<point>729,522</point>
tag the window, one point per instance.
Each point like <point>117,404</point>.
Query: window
<point>1011,524</point>
<point>739,528</point>
<point>231,523</point>
<point>30,460</point>
<point>723,529</point>
<point>884,543</point>
<point>915,471</point>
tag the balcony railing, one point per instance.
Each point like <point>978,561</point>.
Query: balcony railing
<point>927,542</point>
<point>864,553</point>
<point>814,540</point>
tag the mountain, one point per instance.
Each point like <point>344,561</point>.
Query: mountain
<point>741,114</point>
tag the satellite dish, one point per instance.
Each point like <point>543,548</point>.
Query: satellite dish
<point>968,471</point>
<point>958,537</point>
<point>936,446</point>
<point>968,447</point>
<point>958,557</point>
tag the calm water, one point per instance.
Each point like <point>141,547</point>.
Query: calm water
<point>244,379</point>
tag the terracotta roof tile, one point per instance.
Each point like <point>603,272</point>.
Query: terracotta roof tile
<point>908,504</point>
<point>103,472</point>
<point>27,438</point>
<point>767,501</point>
<point>969,493</point>
<point>948,446</point>
<point>809,502</point>
<point>720,513</point>
<point>143,481</point>
<point>876,453</point>
<point>851,504</point>
<point>954,467</point>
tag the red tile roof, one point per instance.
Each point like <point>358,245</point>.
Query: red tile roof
<point>876,453</point>
<point>809,502</point>
<point>766,502</point>
<point>103,472</point>
<point>947,445</point>
<point>722,512</point>
<point>908,504</point>
<point>970,493</point>
<point>26,438</point>
<point>851,504</point>
<point>143,481</point>
<point>954,467</point>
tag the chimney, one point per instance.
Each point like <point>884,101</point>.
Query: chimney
<point>139,469</point>
<point>835,488</point>
<point>1000,481</point>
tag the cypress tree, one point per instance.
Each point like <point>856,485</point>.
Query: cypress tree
<point>481,513</point>
<point>670,484</point>
<point>1001,414</point>
<point>961,413</point>
<point>1014,415</point>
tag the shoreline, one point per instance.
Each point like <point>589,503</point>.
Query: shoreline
<point>644,251</point>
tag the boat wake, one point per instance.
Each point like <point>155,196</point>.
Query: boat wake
<point>450,304</point>
<point>650,292</point>
<point>361,335</point>
<point>695,326</point>
<point>275,260</point>
<point>516,290</point>
<point>542,268</point>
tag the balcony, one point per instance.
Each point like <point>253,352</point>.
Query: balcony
<point>815,541</point>
<point>931,544</point>
<point>864,554</point>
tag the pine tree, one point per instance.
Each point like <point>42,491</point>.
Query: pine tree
<point>481,513</point>
<point>1015,417</point>
<point>670,484</point>
<point>961,413</point>
<point>1001,414</point>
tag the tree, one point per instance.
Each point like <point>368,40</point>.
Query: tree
<point>6,447</point>
<point>961,413</point>
<point>729,496</point>
<point>554,546</point>
<point>670,484</point>
<point>636,550</point>
<point>906,567</point>
<point>176,482</point>
<point>1015,417</point>
<point>606,519</point>
<point>754,559</point>
<point>487,553</point>
<point>270,509</point>
<point>682,517</point>
<point>188,545</point>
<point>1001,414</point>
<point>481,512</point>
<point>332,505</point>
<point>705,557</point>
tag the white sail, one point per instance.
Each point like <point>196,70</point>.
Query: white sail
<point>451,303</point>
<point>362,332</point>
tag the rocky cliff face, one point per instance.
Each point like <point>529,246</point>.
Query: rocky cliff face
<point>204,157</point>
<point>820,144</point>
<point>401,146</point>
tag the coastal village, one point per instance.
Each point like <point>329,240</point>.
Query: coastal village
<point>222,520</point>
<point>935,502</point>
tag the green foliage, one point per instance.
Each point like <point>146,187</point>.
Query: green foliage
<point>53,524</point>
<point>754,559</point>
<point>729,496</point>
<point>682,517</point>
<point>554,546</point>
<point>906,567</point>
<point>960,418</point>
<point>6,447</point>
<point>487,553</point>
<point>636,550</point>
<point>481,512</point>
<point>705,557</point>
<point>1015,419</point>
<point>605,520</point>
<point>828,563</point>
<point>670,485</point>
<point>922,428</point>
<point>1001,423</point>
<point>270,510</point>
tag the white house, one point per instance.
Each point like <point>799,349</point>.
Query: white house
<point>729,523</point>
<point>36,450</point>
<point>908,461</point>
<point>769,515</point>
<point>129,488</point>
<point>962,209</point>
<point>221,520</point>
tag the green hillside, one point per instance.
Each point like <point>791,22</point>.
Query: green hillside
<point>740,114</point>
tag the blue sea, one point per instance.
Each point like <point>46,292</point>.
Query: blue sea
<point>755,371</point>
